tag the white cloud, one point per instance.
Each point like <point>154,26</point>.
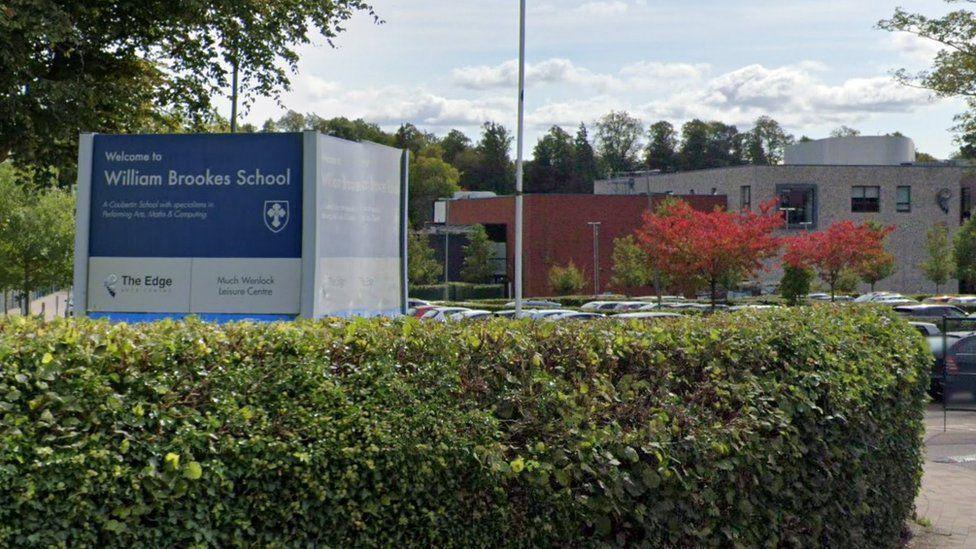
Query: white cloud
<point>913,47</point>
<point>601,8</point>
<point>644,75</point>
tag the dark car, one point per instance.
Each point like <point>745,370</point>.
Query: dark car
<point>960,369</point>
<point>931,310</point>
<point>937,344</point>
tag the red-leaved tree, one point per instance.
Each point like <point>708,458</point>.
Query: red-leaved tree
<point>696,249</point>
<point>842,246</point>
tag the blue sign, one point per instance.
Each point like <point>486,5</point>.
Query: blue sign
<point>199,196</point>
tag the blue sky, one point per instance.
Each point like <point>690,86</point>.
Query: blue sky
<point>811,64</point>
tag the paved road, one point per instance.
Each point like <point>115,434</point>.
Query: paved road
<point>948,495</point>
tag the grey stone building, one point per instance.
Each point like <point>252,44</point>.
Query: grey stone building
<point>889,187</point>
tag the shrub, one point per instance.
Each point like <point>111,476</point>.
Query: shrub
<point>799,428</point>
<point>566,280</point>
<point>795,285</point>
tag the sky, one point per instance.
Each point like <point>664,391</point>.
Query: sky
<point>813,65</point>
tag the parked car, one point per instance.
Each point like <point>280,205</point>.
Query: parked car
<point>939,299</point>
<point>933,336</point>
<point>470,314</point>
<point>645,315</point>
<point>442,314</point>
<point>629,305</point>
<point>576,315</point>
<point>871,297</point>
<point>537,304</point>
<point>510,313</point>
<point>414,304</point>
<point>960,366</point>
<point>600,306</point>
<point>932,310</point>
<point>753,306</point>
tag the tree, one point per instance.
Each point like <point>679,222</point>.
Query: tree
<point>618,141</point>
<point>408,137</point>
<point>492,169</point>
<point>422,267</point>
<point>453,144</point>
<point>477,257</point>
<point>553,163</point>
<point>965,253</point>
<point>694,145</point>
<point>876,269</point>
<point>430,178</point>
<point>661,152</point>
<point>795,284</point>
<point>836,251</point>
<point>845,131</point>
<point>766,142</point>
<point>631,264</point>
<point>709,248</point>
<point>586,169</point>
<point>953,73</point>
<point>938,265</point>
<point>36,238</point>
<point>84,65</point>
<point>709,145</point>
<point>566,280</point>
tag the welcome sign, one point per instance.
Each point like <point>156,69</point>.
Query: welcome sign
<point>262,226</point>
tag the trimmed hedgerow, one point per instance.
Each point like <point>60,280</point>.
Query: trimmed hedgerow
<point>777,428</point>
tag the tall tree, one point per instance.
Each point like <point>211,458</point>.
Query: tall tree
<point>553,163</point>
<point>938,265</point>
<point>766,142</point>
<point>453,144</point>
<point>845,131</point>
<point>839,249</point>
<point>36,238</point>
<point>586,170</point>
<point>430,178</point>
<point>84,65</point>
<point>953,73</point>
<point>409,137</point>
<point>493,169</point>
<point>709,249</point>
<point>422,266</point>
<point>661,152</point>
<point>694,145</point>
<point>477,257</point>
<point>618,137</point>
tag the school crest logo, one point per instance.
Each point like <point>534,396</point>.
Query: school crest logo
<point>276,215</point>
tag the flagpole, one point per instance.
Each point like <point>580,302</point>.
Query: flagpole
<point>518,163</point>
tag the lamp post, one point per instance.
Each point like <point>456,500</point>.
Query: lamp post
<point>595,225</point>
<point>518,162</point>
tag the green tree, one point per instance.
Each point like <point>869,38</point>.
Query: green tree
<point>964,251</point>
<point>587,169</point>
<point>422,267</point>
<point>877,269</point>
<point>795,284</point>
<point>847,282</point>
<point>430,178</point>
<point>478,254</point>
<point>453,144</point>
<point>694,145</point>
<point>566,280</point>
<point>83,65</point>
<point>36,238</point>
<point>845,131</point>
<point>661,152</point>
<point>491,168</point>
<point>631,264</point>
<point>618,137</point>
<point>553,163</point>
<point>938,265</point>
<point>766,142</point>
<point>410,138</point>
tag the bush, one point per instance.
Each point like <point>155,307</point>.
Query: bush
<point>795,428</point>
<point>566,280</point>
<point>459,291</point>
<point>795,284</point>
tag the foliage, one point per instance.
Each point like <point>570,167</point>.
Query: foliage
<point>459,291</point>
<point>478,253</point>
<point>553,163</point>
<point>36,238</point>
<point>422,266</point>
<point>766,142</point>
<point>430,178</point>
<point>953,73</point>
<point>490,168</point>
<point>795,284</point>
<point>709,145</point>
<point>566,280</point>
<point>709,249</point>
<point>845,131</point>
<point>800,427</point>
<point>661,152</point>
<point>631,264</point>
<point>618,137</point>
<point>587,169</point>
<point>938,265</point>
<point>82,65</point>
<point>841,248</point>
<point>848,281</point>
<point>964,251</point>
<point>877,268</point>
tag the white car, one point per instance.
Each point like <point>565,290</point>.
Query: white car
<point>646,315</point>
<point>575,315</point>
<point>874,297</point>
<point>470,314</point>
<point>442,314</point>
<point>628,305</point>
<point>599,306</point>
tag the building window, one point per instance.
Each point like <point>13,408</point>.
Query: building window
<point>799,205</point>
<point>865,199</point>
<point>904,199</point>
<point>745,197</point>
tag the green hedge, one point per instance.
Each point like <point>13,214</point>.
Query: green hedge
<point>459,291</point>
<point>777,428</point>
